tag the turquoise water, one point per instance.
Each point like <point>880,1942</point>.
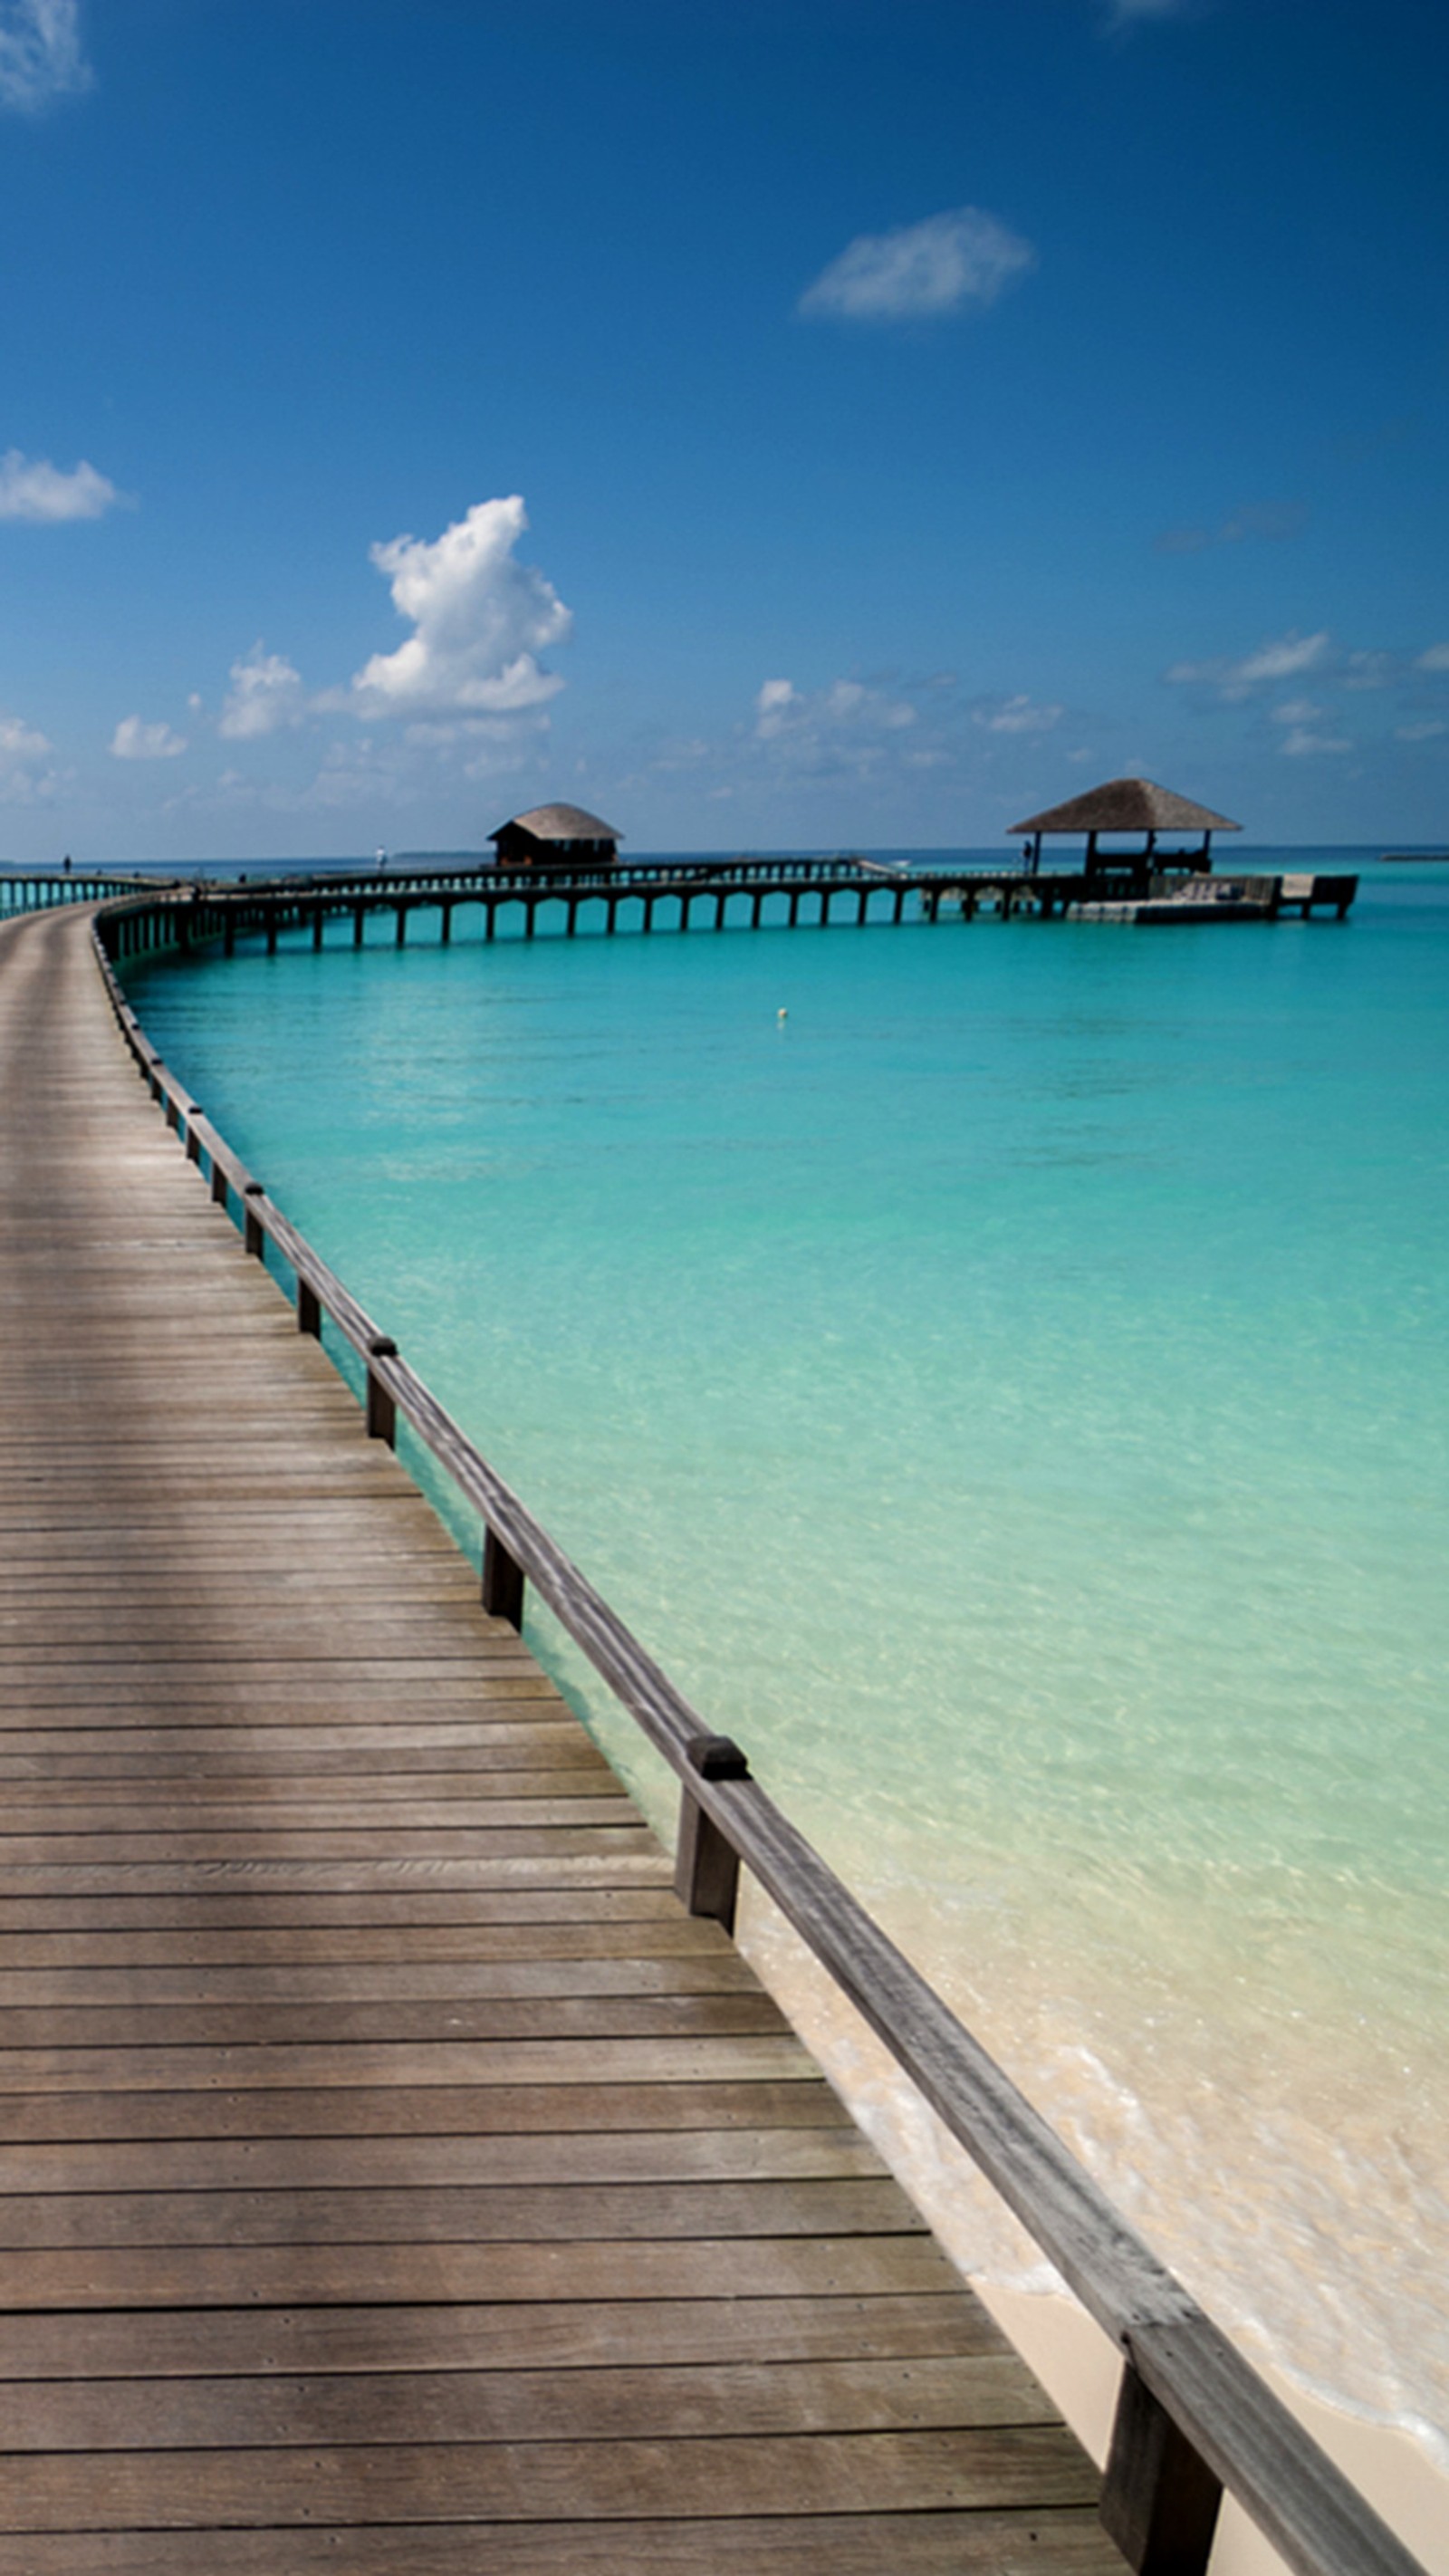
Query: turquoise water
<point>1009,1394</point>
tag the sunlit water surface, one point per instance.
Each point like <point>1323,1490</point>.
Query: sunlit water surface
<point>1009,1394</point>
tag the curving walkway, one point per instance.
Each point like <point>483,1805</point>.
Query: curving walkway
<point>393,2178</point>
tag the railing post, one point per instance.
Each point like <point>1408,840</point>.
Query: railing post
<point>309,1309</point>
<point>502,1581</point>
<point>218,1184</point>
<point>706,1864</point>
<point>381,1409</point>
<point>252,1231</point>
<point>1159,2497</point>
<point>193,1141</point>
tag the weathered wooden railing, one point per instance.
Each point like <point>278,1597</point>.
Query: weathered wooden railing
<point>1192,2416</point>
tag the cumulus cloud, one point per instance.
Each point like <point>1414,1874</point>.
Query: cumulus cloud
<point>921,270</point>
<point>41,56</point>
<point>1281,659</point>
<point>22,747</point>
<point>1020,714</point>
<point>266,693</point>
<point>133,740</point>
<point>35,489</point>
<point>480,620</point>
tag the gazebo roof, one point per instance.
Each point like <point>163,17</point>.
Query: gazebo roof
<point>1127,805</point>
<point>560,823</point>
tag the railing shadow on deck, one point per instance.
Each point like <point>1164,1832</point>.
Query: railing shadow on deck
<point>1193,2418</point>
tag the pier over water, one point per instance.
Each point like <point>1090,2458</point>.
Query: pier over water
<point>399,2173</point>
<point>716,894</point>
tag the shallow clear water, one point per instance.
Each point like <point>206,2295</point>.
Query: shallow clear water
<point>1009,1394</point>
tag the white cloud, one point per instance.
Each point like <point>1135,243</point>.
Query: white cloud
<point>480,621</point>
<point>21,747</point>
<point>964,257</point>
<point>1020,714</point>
<point>41,57</point>
<point>266,693</point>
<point>36,489</point>
<point>133,740</point>
<point>1279,660</point>
<point>846,707</point>
<point>1436,659</point>
<point>1297,711</point>
<point>1423,732</point>
<point>1300,743</point>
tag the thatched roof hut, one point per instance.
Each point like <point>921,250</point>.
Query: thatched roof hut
<point>556,836</point>
<point>1128,805</point>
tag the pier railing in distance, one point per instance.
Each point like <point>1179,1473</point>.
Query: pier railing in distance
<point>1193,2417</point>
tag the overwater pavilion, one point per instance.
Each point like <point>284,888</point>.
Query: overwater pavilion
<point>1129,805</point>
<point>556,836</point>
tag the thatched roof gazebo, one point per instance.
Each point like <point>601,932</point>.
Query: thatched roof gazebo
<point>1128,805</point>
<point>556,836</point>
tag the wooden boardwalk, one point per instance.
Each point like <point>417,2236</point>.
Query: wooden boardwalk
<point>394,2178</point>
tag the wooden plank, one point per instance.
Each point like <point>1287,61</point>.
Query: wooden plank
<point>413,2162</point>
<point>317,1983</point>
<point>686,2059</point>
<point>319,2275</point>
<point>477,2214</point>
<point>459,2335</point>
<point>532,2481</point>
<point>1029,2542</point>
<point>721,2105</point>
<point>660,2402</point>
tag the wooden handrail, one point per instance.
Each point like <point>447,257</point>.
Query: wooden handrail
<point>1193,2416</point>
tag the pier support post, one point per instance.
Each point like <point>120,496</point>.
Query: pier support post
<point>381,1409</point>
<point>1159,2497</point>
<point>253,1235</point>
<point>502,1581</point>
<point>706,1864</point>
<point>309,1310</point>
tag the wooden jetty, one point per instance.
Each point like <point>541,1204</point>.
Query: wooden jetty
<point>719,894</point>
<point>402,2172</point>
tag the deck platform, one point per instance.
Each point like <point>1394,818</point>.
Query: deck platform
<point>394,2179</point>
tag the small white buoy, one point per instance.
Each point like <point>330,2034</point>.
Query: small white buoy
<point>781,1016</point>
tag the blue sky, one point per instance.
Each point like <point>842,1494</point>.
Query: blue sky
<point>808,424</point>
